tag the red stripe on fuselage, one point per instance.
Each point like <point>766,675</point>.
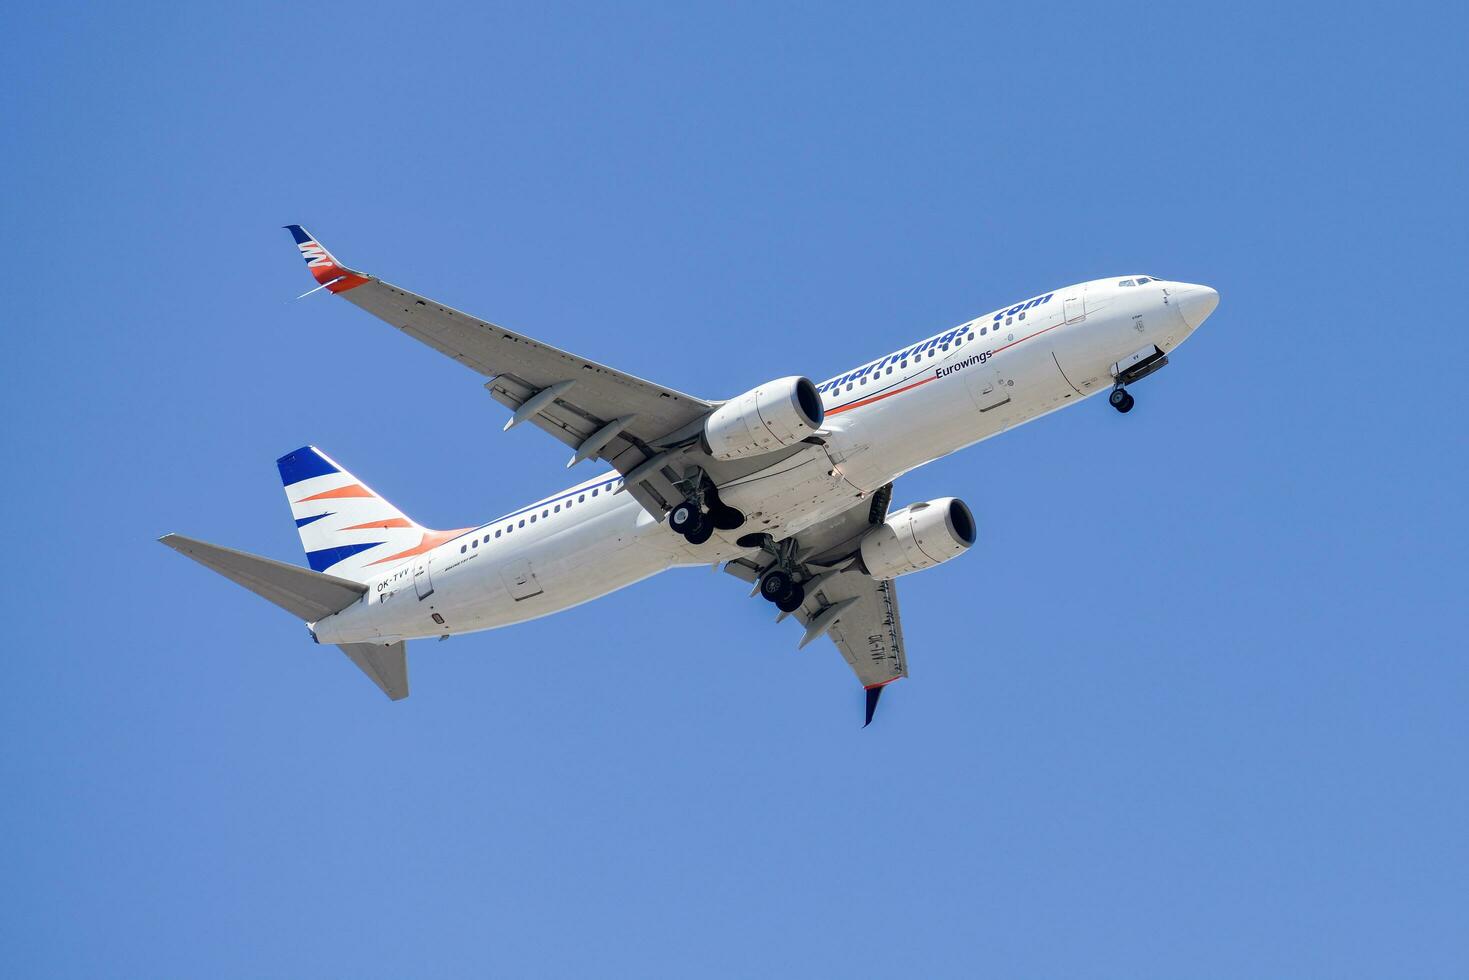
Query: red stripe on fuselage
<point>898,391</point>
<point>877,398</point>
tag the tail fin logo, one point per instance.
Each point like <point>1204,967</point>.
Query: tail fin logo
<point>345,528</point>
<point>316,257</point>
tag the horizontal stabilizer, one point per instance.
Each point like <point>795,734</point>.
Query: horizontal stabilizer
<point>386,665</point>
<point>307,594</point>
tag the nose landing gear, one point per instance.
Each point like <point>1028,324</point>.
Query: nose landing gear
<point>1121,400</point>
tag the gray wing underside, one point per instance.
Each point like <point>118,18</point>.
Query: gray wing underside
<point>659,421</point>
<point>868,631</point>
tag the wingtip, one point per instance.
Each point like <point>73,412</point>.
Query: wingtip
<point>874,694</point>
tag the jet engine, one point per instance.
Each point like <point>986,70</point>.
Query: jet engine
<point>917,537</point>
<point>777,414</point>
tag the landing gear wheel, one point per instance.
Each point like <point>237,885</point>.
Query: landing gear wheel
<point>726,518</point>
<point>683,517</point>
<point>775,585</point>
<point>792,600</point>
<point>700,532</point>
<point>1121,400</point>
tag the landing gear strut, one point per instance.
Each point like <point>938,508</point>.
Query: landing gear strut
<point>1121,400</point>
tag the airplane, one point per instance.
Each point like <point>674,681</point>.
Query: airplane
<point>787,486</point>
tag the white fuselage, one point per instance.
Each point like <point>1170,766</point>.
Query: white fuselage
<point>883,419</point>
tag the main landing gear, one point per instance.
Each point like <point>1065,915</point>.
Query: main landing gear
<point>1120,399</point>
<point>778,587</point>
<point>697,524</point>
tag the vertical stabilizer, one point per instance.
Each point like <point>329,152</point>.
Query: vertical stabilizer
<point>345,527</point>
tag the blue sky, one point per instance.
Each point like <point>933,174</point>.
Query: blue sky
<point>1193,706</point>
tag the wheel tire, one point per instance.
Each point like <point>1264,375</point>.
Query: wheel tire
<point>700,532</point>
<point>727,518</point>
<point>792,600</point>
<point>683,517</point>
<point>1118,398</point>
<point>1127,404</point>
<point>776,584</point>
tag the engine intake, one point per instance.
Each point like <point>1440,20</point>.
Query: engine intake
<point>777,414</point>
<point>917,537</point>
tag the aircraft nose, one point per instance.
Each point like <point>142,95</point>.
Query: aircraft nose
<point>1195,303</point>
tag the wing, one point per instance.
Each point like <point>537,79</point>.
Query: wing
<point>859,613</point>
<point>599,411</point>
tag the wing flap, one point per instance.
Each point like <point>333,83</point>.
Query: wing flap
<point>601,392</point>
<point>869,629</point>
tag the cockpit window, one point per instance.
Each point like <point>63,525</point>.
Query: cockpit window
<point>1126,282</point>
<point>1144,281</point>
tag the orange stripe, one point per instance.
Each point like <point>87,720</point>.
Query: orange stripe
<point>431,540</point>
<point>351,490</point>
<point>395,522</point>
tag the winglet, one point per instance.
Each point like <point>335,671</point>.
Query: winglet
<point>873,695</point>
<point>333,276</point>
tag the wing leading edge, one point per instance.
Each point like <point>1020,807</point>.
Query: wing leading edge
<point>599,411</point>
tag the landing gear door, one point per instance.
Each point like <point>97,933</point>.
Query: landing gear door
<point>423,581</point>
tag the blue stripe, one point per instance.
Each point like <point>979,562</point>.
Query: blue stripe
<point>299,234</point>
<point>303,464</point>
<point>307,520</point>
<point>321,560</point>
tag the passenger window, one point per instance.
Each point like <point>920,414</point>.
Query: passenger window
<point>983,331</point>
<point>864,380</point>
<point>532,518</point>
<point>849,386</point>
<point>1009,320</point>
<point>903,363</point>
<point>946,347</point>
<point>474,543</point>
<point>545,513</point>
<point>890,370</point>
<point>971,336</point>
<point>582,499</point>
<point>487,539</point>
<point>463,548</point>
<point>497,533</point>
<point>558,508</point>
<point>1022,316</point>
<point>522,522</point>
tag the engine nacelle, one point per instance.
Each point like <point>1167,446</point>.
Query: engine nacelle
<point>917,537</point>
<point>777,414</point>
